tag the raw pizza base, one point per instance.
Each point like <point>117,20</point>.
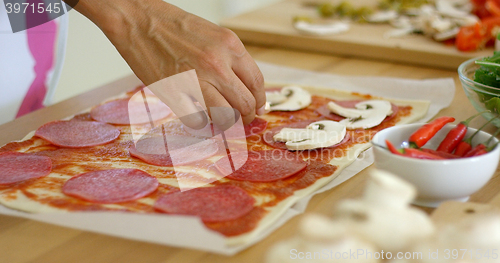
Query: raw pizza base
<point>419,110</point>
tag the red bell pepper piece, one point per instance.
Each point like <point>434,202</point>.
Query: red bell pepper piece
<point>420,137</point>
<point>471,38</point>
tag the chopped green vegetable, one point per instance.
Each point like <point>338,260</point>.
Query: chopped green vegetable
<point>489,74</point>
<point>489,71</point>
<point>493,105</point>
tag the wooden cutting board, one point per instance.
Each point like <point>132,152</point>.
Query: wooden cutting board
<point>272,26</point>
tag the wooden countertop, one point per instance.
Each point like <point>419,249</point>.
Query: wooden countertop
<point>272,26</point>
<point>23,240</point>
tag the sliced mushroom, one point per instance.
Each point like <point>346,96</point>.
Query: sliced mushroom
<point>382,16</point>
<point>447,8</point>
<point>390,229</point>
<point>321,29</point>
<point>442,36</point>
<point>296,98</point>
<point>401,22</point>
<point>318,134</point>
<point>367,114</point>
<point>386,190</point>
<point>479,230</point>
<point>399,32</point>
<point>275,97</point>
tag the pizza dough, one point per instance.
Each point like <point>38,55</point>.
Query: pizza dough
<point>17,167</point>
<point>211,204</point>
<point>272,198</point>
<point>181,150</point>
<point>77,134</point>
<point>119,111</point>
<point>111,186</point>
<point>255,127</point>
<point>263,166</point>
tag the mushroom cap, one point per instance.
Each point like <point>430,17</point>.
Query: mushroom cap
<point>387,190</point>
<point>386,228</point>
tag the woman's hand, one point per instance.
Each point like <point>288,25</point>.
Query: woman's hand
<point>158,40</point>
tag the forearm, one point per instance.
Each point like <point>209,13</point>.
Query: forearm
<point>159,40</point>
<point>117,18</point>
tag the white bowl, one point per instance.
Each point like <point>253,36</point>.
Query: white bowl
<point>436,180</point>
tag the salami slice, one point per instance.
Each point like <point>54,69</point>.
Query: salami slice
<point>181,150</point>
<point>263,166</point>
<point>211,204</point>
<point>325,111</point>
<point>127,111</point>
<point>268,135</point>
<point>255,127</point>
<point>111,186</point>
<point>77,134</point>
<point>17,167</point>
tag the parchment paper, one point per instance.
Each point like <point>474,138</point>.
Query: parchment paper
<point>189,232</point>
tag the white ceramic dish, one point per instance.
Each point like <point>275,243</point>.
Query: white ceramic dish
<point>436,180</point>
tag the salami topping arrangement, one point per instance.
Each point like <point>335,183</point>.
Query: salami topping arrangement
<point>17,167</point>
<point>211,204</point>
<point>77,134</point>
<point>263,166</point>
<point>180,150</point>
<point>111,186</point>
<point>134,155</point>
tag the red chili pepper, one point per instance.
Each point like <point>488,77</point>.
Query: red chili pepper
<point>481,148</point>
<point>412,153</point>
<point>442,154</point>
<point>417,153</point>
<point>476,149</point>
<point>480,152</point>
<point>463,148</point>
<point>456,135</point>
<point>420,137</point>
<point>392,148</point>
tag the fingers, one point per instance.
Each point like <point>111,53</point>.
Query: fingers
<point>220,111</point>
<point>178,92</point>
<point>249,73</point>
<point>239,97</point>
